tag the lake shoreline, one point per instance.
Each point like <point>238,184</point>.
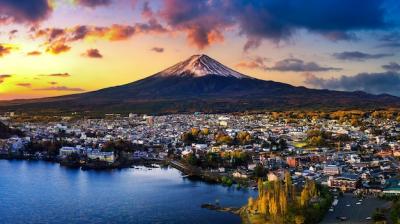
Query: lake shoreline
<point>131,186</point>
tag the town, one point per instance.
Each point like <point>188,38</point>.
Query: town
<point>349,152</point>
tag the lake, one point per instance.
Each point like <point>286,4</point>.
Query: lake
<point>42,192</point>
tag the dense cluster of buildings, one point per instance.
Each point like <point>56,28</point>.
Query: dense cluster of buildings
<point>365,163</point>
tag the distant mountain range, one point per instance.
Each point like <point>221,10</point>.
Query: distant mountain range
<point>201,83</point>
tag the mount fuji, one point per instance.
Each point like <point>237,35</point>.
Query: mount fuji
<point>201,83</point>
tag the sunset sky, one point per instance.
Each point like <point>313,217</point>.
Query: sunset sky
<point>59,47</point>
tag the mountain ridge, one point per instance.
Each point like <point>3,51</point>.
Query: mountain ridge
<point>198,66</point>
<point>201,83</point>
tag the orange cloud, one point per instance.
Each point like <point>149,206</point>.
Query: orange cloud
<point>63,75</point>
<point>115,32</point>
<point>24,84</point>
<point>5,49</point>
<point>4,77</point>
<point>34,53</point>
<point>58,48</point>
<point>92,53</point>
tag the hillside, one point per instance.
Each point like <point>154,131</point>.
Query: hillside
<point>201,83</point>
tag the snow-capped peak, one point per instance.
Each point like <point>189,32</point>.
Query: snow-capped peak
<point>200,65</point>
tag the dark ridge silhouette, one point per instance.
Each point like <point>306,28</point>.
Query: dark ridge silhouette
<point>200,83</point>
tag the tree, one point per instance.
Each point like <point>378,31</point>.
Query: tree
<point>289,185</point>
<point>192,159</point>
<point>282,144</point>
<point>222,138</point>
<point>395,212</point>
<point>260,185</point>
<point>260,171</point>
<point>378,216</point>
<point>205,131</point>
<point>250,204</point>
<point>304,198</point>
<point>212,159</point>
<point>188,138</point>
<point>277,202</point>
<point>195,132</point>
<point>283,203</point>
<point>273,207</point>
<point>263,205</point>
<point>299,219</point>
<point>243,138</point>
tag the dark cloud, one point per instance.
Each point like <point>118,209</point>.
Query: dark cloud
<point>147,12</point>
<point>252,43</point>
<point>93,53</point>
<point>55,33</point>
<point>205,21</point>
<point>390,45</point>
<point>61,88</point>
<point>24,11</point>
<point>392,36</point>
<point>202,21</point>
<point>392,66</point>
<point>338,35</point>
<point>157,49</point>
<point>4,77</point>
<point>24,84</point>
<point>12,34</point>
<point>297,65</point>
<point>4,50</point>
<point>152,26</point>
<point>279,20</point>
<point>53,83</point>
<point>62,75</point>
<point>376,83</point>
<point>358,56</point>
<point>286,65</point>
<point>390,40</point>
<point>34,53</point>
<point>93,3</point>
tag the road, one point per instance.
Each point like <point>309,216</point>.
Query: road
<point>356,213</point>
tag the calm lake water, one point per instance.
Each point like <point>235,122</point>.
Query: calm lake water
<point>41,192</point>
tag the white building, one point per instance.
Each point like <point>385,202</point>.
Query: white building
<point>102,156</point>
<point>332,170</point>
<point>66,151</point>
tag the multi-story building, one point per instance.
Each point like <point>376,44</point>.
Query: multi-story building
<point>332,170</point>
<point>345,182</point>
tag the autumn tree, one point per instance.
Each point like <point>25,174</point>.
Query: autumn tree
<point>299,219</point>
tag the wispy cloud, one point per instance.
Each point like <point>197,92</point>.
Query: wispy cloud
<point>61,75</point>
<point>392,66</point>
<point>376,83</point>
<point>61,88</point>
<point>58,48</point>
<point>34,53</point>
<point>358,56</point>
<point>298,65</point>
<point>4,77</point>
<point>93,3</point>
<point>92,53</point>
<point>157,49</point>
<point>286,65</point>
<point>5,49</point>
<point>24,84</point>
